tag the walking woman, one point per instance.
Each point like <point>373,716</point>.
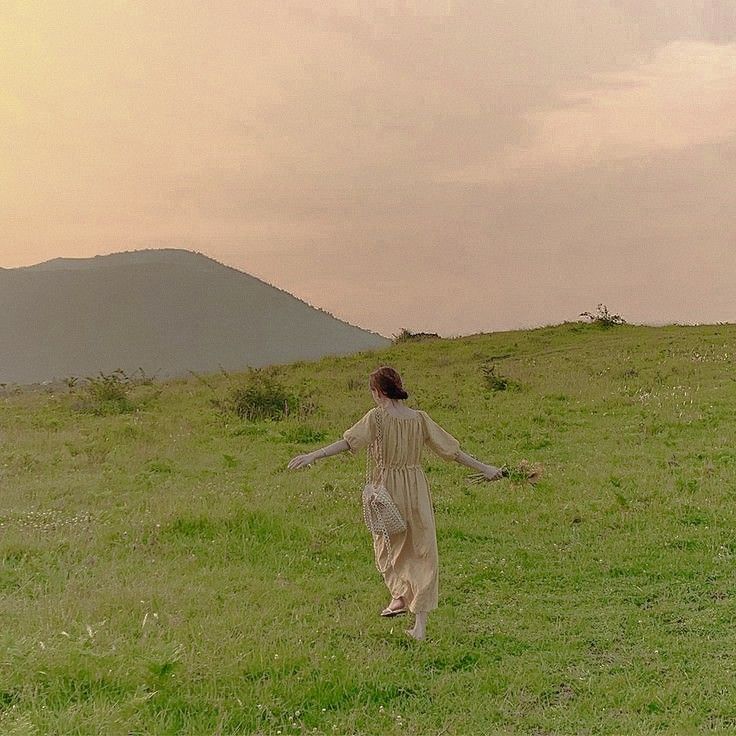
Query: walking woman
<point>412,570</point>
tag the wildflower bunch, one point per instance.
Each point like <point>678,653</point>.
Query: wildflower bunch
<point>522,472</point>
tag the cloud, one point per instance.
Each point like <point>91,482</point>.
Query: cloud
<point>684,96</point>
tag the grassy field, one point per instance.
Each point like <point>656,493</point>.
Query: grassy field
<point>162,572</point>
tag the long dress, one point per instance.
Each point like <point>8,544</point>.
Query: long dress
<point>413,572</point>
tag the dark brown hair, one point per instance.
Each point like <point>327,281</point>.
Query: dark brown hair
<point>386,380</point>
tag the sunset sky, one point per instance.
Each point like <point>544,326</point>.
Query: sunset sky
<point>443,165</point>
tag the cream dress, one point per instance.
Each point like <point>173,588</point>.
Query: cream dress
<point>413,572</point>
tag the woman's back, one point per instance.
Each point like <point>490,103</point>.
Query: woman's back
<point>403,436</point>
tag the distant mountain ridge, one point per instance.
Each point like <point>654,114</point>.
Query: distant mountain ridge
<point>167,311</point>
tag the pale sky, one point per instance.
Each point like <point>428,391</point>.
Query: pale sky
<point>443,165</point>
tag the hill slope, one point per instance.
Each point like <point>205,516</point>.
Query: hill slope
<point>167,311</point>
<point>163,572</point>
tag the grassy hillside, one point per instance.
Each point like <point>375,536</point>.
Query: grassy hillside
<point>162,572</point>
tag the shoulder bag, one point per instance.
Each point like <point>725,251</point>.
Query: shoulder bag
<point>381,515</point>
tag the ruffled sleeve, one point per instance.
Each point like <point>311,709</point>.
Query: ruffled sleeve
<point>362,433</point>
<point>440,441</point>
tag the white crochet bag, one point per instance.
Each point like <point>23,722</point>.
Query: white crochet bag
<point>381,515</point>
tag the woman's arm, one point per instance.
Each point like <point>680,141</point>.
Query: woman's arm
<point>303,461</point>
<point>334,449</point>
<point>488,470</point>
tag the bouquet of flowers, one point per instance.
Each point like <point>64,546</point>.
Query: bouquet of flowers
<point>522,472</point>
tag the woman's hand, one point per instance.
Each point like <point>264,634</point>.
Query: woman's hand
<point>302,461</point>
<point>489,473</point>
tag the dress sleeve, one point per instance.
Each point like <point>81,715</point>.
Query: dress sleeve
<point>362,433</point>
<point>440,441</point>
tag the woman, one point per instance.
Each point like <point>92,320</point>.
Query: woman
<point>412,573</point>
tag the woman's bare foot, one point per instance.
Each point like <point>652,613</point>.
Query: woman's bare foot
<point>414,634</point>
<point>420,626</point>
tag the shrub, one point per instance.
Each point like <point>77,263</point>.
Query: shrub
<point>497,382</point>
<point>108,393</point>
<point>112,393</point>
<point>406,335</point>
<point>262,396</point>
<point>603,318</point>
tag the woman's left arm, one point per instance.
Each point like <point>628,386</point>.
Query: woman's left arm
<point>490,471</point>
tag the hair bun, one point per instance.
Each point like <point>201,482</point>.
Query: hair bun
<point>388,382</point>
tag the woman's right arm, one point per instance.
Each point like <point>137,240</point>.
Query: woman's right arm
<point>353,439</point>
<point>305,460</point>
<point>334,449</point>
<point>442,443</point>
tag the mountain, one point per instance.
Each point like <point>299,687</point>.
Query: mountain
<point>166,311</point>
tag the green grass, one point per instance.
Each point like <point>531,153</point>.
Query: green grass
<point>162,572</point>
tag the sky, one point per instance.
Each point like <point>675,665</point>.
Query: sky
<point>447,166</point>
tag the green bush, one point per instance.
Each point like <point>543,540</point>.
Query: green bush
<point>112,393</point>
<point>497,382</point>
<point>108,393</point>
<point>262,396</point>
<point>406,335</point>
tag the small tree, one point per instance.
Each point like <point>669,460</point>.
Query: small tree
<point>603,318</point>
